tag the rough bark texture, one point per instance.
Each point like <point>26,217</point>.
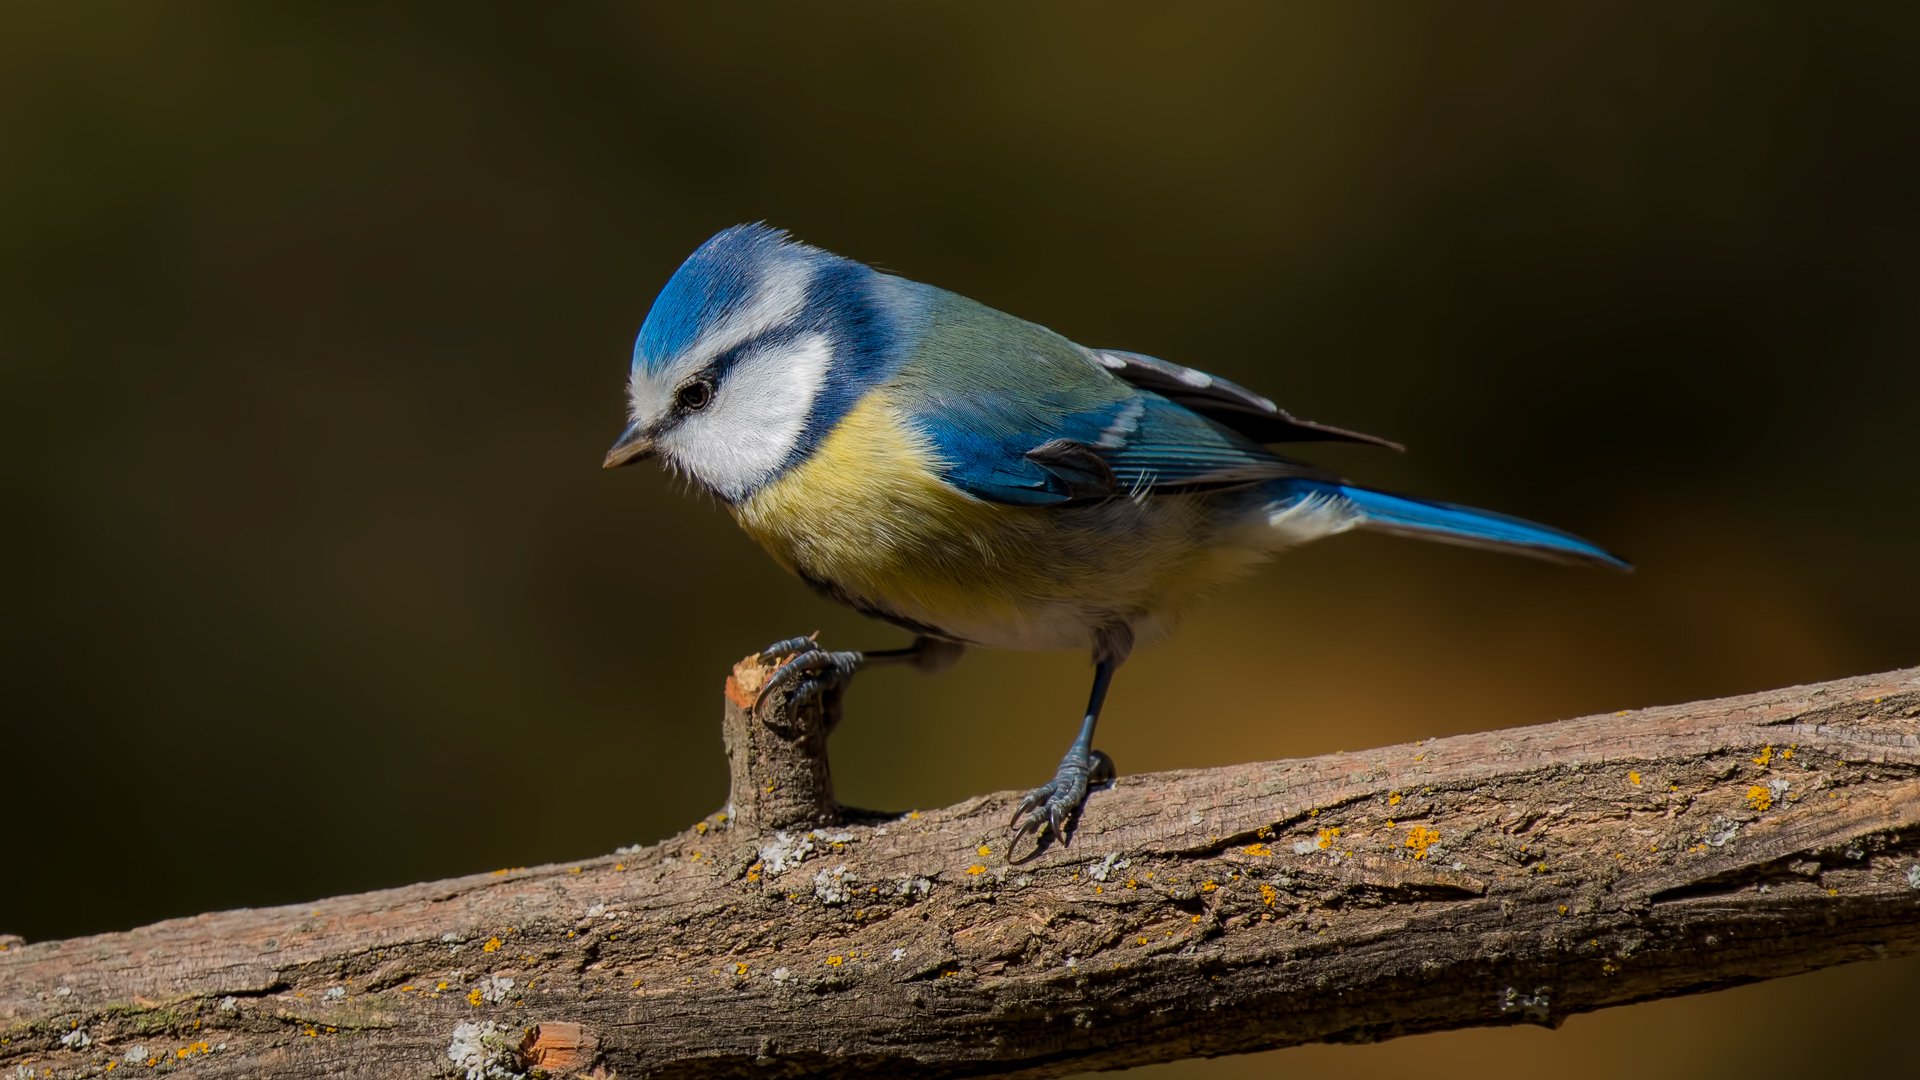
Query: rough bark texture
<point>1509,877</point>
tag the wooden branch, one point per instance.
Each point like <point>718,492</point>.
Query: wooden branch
<point>1509,877</point>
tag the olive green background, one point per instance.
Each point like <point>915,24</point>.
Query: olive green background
<point>314,322</point>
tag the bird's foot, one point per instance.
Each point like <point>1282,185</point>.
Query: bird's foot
<point>810,674</point>
<point>1058,801</point>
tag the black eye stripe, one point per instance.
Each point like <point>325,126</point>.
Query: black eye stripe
<point>710,377</point>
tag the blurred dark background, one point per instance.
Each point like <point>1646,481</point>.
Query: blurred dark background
<point>314,322</point>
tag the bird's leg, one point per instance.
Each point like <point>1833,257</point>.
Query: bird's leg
<point>812,673</point>
<point>1058,801</point>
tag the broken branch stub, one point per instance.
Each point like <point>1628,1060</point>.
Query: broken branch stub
<point>776,757</point>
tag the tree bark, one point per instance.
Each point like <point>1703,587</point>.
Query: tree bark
<point>1514,876</point>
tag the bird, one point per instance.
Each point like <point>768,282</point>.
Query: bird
<point>979,480</point>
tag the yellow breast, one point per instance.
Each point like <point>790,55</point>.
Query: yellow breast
<point>868,514</point>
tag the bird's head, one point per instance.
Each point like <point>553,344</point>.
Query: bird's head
<point>730,365</point>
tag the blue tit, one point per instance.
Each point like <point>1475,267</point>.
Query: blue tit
<point>980,480</point>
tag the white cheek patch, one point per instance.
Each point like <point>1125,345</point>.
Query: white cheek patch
<point>738,441</point>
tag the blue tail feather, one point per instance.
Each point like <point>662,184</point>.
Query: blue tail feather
<point>1450,523</point>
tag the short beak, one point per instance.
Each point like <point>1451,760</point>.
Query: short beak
<point>633,445</point>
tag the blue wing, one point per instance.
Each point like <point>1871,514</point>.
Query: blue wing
<point>1019,415</point>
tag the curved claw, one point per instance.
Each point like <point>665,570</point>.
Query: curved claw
<point>1056,803</point>
<point>792,672</point>
<point>792,645</point>
<point>808,675</point>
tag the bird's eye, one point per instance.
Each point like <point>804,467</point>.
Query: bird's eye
<point>695,395</point>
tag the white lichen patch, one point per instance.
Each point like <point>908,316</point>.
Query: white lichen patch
<point>495,990</point>
<point>229,1004</point>
<point>596,911</point>
<point>781,974</point>
<point>483,1051</point>
<point>1101,870</point>
<point>630,849</point>
<point>76,1039</point>
<point>335,993</point>
<point>784,852</point>
<point>134,1055</point>
<point>1722,831</point>
<point>1305,847</point>
<point>1913,876</point>
<point>1535,1006</point>
<point>834,886</point>
<point>899,954</point>
<point>914,888</point>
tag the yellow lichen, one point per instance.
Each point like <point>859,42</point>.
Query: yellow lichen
<point>1608,967</point>
<point>492,945</point>
<point>976,868</point>
<point>1208,886</point>
<point>739,969</point>
<point>1787,754</point>
<point>985,851</point>
<point>1766,755</point>
<point>1393,798</point>
<point>835,961</point>
<point>1633,778</point>
<point>1267,894</point>
<point>1420,838</point>
<point>1325,838</point>
<point>1259,849</point>
<point>1759,798</point>
<point>473,998</point>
